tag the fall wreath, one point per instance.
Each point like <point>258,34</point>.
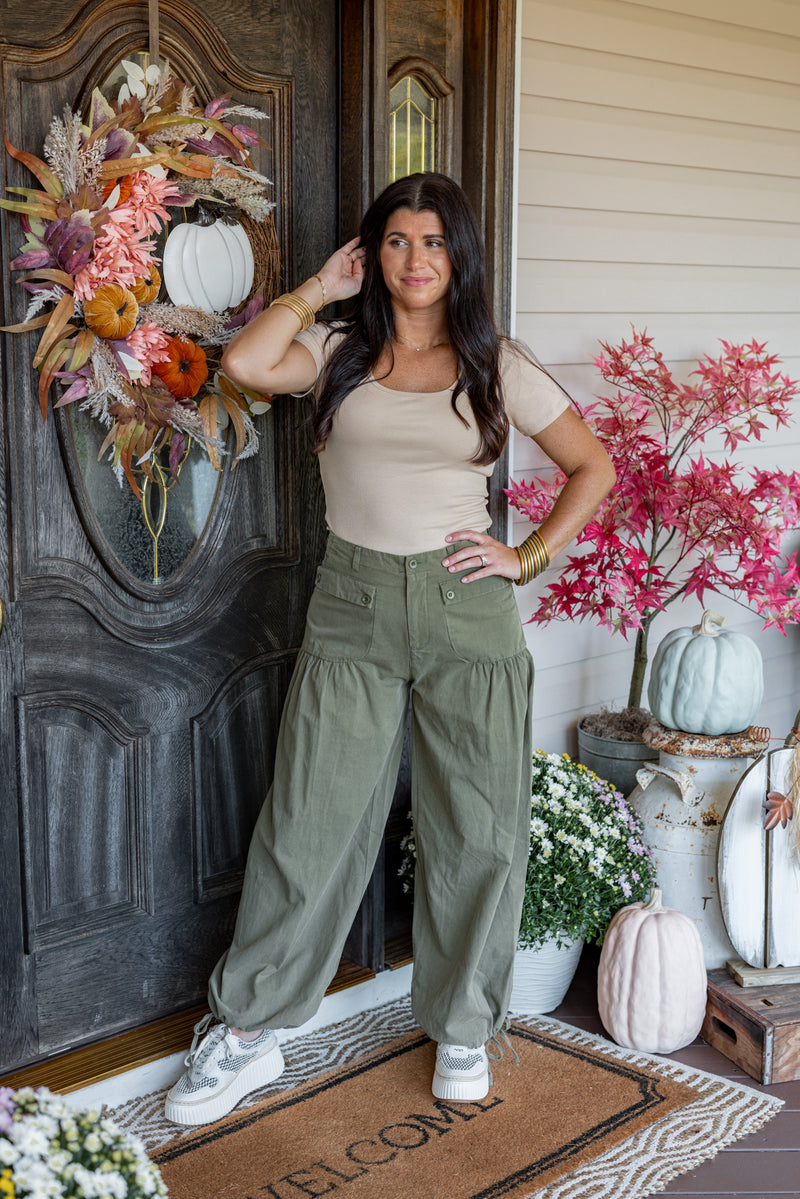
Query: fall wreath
<point>111,182</point>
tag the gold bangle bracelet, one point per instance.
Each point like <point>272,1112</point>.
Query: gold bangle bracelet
<point>534,557</point>
<point>537,538</point>
<point>324,292</point>
<point>538,557</point>
<point>300,307</point>
<point>526,570</point>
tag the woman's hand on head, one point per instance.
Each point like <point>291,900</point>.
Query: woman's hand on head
<point>343,273</point>
<point>499,559</point>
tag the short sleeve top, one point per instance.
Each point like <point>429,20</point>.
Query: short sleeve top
<point>396,468</point>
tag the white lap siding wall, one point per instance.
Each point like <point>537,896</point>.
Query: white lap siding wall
<point>658,182</point>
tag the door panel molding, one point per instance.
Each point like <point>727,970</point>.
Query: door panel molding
<point>228,788</point>
<point>80,875</point>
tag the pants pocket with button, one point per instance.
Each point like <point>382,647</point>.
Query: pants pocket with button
<point>341,617</point>
<point>482,619</point>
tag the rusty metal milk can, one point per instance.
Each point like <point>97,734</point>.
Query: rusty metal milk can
<point>682,799</point>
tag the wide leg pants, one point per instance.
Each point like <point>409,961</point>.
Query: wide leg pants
<point>382,629</point>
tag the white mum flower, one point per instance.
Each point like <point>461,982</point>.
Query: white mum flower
<point>35,1178</point>
<point>29,1139</point>
<point>90,1186</point>
<point>45,1124</point>
<point>115,1185</point>
<point>8,1152</point>
<point>146,1180</point>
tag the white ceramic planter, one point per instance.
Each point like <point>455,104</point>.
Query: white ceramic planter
<point>542,976</point>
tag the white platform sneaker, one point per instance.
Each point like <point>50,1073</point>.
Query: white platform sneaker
<point>221,1070</point>
<point>461,1073</point>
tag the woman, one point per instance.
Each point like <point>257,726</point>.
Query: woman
<point>414,394</point>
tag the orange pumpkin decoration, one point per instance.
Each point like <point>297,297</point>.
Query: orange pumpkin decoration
<point>186,369</point>
<point>112,311</point>
<point>146,290</point>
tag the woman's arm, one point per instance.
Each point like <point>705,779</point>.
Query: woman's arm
<point>590,476</point>
<point>265,356</point>
<point>573,447</point>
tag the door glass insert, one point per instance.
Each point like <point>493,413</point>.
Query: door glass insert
<point>412,128</point>
<point>154,536</point>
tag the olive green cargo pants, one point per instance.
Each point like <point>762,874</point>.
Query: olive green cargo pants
<point>381,627</point>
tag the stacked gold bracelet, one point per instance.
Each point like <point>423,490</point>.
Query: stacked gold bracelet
<point>300,307</point>
<point>533,558</point>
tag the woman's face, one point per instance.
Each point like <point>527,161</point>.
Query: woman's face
<point>414,259</point>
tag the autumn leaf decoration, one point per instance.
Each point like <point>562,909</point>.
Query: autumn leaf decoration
<point>779,810</point>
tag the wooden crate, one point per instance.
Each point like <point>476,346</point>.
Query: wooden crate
<point>756,1027</point>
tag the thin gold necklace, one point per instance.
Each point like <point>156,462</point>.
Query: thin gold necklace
<point>410,346</point>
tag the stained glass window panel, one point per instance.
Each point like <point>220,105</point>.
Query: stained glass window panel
<point>412,128</point>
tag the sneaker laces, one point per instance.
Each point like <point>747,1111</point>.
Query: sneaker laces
<point>199,1053</point>
<point>494,1042</point>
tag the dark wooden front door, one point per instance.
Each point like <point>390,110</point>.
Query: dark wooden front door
<point>139,719</point>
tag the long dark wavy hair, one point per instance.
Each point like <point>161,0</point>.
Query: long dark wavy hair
<point>471,329</point>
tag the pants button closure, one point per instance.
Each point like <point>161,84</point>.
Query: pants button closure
<point>413,564</point>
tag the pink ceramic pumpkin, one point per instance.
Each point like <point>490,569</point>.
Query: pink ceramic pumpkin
<point>651,983</point>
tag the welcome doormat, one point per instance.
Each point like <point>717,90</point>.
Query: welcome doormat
<point>576,1117</point>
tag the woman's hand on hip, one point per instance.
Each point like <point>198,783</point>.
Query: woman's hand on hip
<point>485,558</point>
<point>343,273</point>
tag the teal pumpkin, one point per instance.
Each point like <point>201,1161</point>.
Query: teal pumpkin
<point>705,680</point>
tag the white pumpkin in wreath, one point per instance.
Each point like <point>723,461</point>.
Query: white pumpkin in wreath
<point>208,265</point>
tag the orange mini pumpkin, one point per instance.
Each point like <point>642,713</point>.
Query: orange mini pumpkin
<point>146,290</point>
<point>112,311</point>
<point>186,369</point>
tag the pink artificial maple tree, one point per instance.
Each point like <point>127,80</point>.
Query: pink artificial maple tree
<point>677,524</point>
